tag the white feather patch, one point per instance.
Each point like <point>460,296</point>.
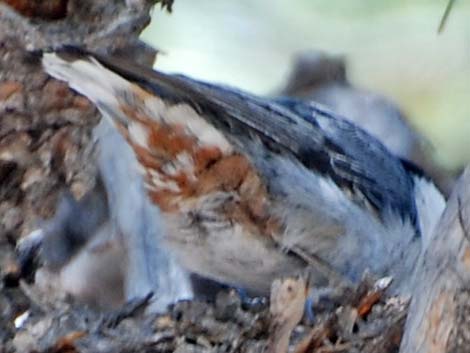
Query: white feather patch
<point>155,107</point>
<point>163,184</point>
<point>430,205</point>
<point>184,115</point>
<point>138,134</point>
<point>183,163</point>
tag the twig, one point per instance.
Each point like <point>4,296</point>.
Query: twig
<point>287,306</point>
<point>444,18</point>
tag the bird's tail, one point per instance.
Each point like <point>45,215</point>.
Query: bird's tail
<point>89,77</point>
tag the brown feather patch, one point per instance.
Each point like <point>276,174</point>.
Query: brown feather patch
<point>180,169</point>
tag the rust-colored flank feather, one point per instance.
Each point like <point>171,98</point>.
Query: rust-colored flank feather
<point>179,168</point>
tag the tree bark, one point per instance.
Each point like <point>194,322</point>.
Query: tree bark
<point>45,129</point>
<point>439,315</point>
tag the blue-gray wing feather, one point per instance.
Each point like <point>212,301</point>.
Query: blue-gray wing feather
<point>320,140</point>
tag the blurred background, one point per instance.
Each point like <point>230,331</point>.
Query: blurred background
<point>391,47</point>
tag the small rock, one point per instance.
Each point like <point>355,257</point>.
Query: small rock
<point>226,305</point>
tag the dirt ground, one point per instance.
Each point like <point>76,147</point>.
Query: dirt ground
<point>359,319</point>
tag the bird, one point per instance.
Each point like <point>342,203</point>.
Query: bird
<point>250,188</point>
<point>103,250</point>
<point>79,250</point>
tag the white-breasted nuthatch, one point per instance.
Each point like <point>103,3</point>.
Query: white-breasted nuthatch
<point>251,189</point>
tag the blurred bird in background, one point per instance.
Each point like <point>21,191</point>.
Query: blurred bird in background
<point>251,189</point>
<point>323,78</point>
<point>105,249</point>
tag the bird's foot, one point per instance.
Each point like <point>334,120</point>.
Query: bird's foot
<point>129,309</point>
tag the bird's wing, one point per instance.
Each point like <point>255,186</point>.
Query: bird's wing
<point>321,141</point>
<point>358,160</point>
